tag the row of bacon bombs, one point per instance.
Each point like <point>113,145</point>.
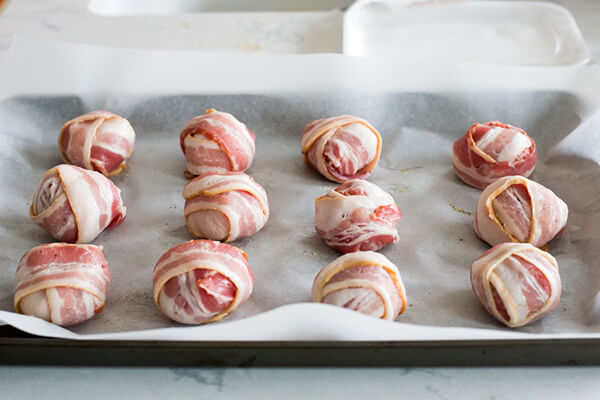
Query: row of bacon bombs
<point>515,280</point>
<point>208,288</point>
<point>75,205</point>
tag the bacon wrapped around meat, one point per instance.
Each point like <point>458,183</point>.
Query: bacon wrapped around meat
<point>493,150</point>
<point>364,281</point>
<point>216,142</point>
<point>201,281</point>
<point>99,141</point>
<point>357,216</point>
<point>62,283</point>
<point>516,209</point>
<point>341,148</point>
<point>74,205</point>
<point>225,206</point>
<point>516,282</point>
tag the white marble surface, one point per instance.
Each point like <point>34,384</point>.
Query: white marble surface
<point>25,383</point>
<point>273,33</point>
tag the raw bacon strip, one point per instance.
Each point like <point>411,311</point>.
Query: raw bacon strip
<point>516,209</point>
<point>341,148</point>
<point>225,206</point>
<point>201,281</point>
<point>357,216</point>
<point>62,283</point>
<point>216,142</point>
<point>364,281</point>
<point>74,205</point>
<point>493,150</point>
<point>516,282</point>
<point>99,141</point>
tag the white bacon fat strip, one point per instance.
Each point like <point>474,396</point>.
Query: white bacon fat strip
<point>341,148</point>
<point>99,141</point>
<point>216,142</point>
<point>364,281</point>
<point>201,281</point>
<point>357,216</point>
<point>516,282</point>
<point>516,209</point>
<point>493,150</point>
<point>225,206</point>
<point>74,205</point>
<point>62,283</point>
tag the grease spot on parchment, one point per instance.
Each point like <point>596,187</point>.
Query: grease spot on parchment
<point>458,209</point>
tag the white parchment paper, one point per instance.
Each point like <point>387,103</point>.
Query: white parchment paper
<point>558,108</point>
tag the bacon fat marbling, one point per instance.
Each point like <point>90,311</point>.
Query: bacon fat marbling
<point>363,281</point>
<point>516,282</point>
<point>65,284</point>
<point>99,141</point>
<point>341,148</point>
<point>201,281</point>
<point>216,142</point>
<point>225,206</point>
<point>492,150</point>
<point>357,216</point>
<point>75,205</point>
<point>517,209</point>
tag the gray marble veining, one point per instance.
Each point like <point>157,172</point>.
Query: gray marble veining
<point>299,383</point>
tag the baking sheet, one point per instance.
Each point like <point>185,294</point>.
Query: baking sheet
<point>437,242</point>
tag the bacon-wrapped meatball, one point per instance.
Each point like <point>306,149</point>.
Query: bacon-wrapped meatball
<point>493,150</point>
<point>364,281</point>
<point>216,142</point>
<point>357,216</point>
<point>225,206</point>
<point>99,141</point>
<point>201,281</point>
<point>341,148</point>
<point>74,205</point>
<point>62,283</point>
<point>516,209</point>
<point>516,282</point>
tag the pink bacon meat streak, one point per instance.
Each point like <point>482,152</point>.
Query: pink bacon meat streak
<point>75,205</point>
<point>99,141</point>
<point>225,206</point>
<point>493,150</point>
<point>516,209</point>
<point>201,281</point>
<point>216,142</point>
<point>357,216</point>
<point>341,148</point>
<point>65,284</point>
<point>516,282</point>
<point>363,281</point>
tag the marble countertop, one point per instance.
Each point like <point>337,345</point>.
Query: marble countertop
<point>306,383</point>
<point>267,32</point>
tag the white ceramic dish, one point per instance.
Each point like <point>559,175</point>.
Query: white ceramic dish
<point>499,32</point>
